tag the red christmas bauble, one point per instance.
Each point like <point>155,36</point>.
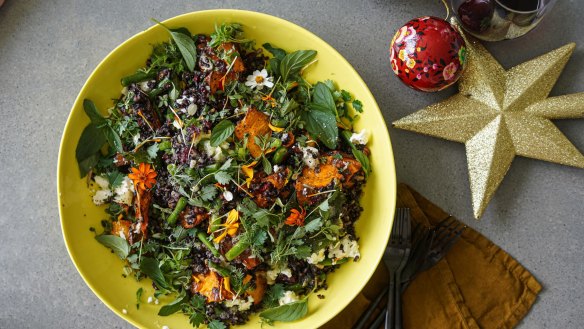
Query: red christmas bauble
<point>427,54</point>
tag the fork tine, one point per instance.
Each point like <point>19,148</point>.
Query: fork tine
<point>445,227</point>
<point>408,224</point>
<point>448,243</point>
<point>445,224</point>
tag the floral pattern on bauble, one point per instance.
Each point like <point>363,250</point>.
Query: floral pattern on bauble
<point>428,54</point>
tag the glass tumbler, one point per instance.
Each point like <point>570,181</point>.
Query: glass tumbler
<point>494,20</point>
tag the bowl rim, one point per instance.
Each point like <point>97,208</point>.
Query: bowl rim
<point>60,171</point>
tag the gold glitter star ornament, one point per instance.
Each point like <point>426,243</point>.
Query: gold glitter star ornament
<point>499,114</point>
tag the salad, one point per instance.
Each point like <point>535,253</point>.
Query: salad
<point>228,179</point>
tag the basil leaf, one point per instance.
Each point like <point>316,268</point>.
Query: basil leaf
<point>92,112</point>
<point>185,44</point>
<point>149,266</point>
<point>119,245</point>
<point>182,30</point>
<point>292,63</point>
<point>87,164</point>
<point>277,52</point>
<point>322,124</point>
<point>322,96</point>
<point>288,312</point>
<point>113,138</point>
<point>173,306</point>
<point>273,65</point>
<point>187,48</point>
<point>360,156</point>
<point>87,151</point>
<point>363,159</point>
<point>267,165</point>
<point>221,132</point>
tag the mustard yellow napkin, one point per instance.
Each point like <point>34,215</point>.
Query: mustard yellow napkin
<point>477,285</point>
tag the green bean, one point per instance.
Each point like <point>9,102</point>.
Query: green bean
<point>137,77</point>
<point>214,223</point>
<point>220,269</point>
<point>276,143</point>
<point>180,205</point>
<point>204,239</point>
<point>329,262</point>
<point>280,123</point>
<point>236,250</point>
<point>279,155</point>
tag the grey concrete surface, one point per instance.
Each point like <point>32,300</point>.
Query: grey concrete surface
<point>49,48</point>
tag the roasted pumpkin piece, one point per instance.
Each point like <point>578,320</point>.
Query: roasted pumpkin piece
<point>288,139</point>
<point>260,287</point>
<point>142,207</point>
<point>254,124</point>
<point>279,179</point>
<point>311,180</point>
<point>238,66</point>
<point>192,216</point>
<point>250,262</point>
<point>121,228</point>
<point>265,189</point>
<point>347,166</point>
<point>212,286</point>
<point>215,81</point>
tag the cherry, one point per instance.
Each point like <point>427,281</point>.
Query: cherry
<point>476,14</point>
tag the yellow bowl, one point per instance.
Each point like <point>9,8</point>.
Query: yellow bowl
<point>102,270</point>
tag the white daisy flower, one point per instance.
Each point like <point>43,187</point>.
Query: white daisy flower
<point>259,79</point>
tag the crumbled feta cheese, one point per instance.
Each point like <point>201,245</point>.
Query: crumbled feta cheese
<point>156,301</point>
<point>125,192</point>
<point>316,257</point>
<point>150,299</point>
<point>144,86</point>
<point>309,155</point>
<point>273,273</point>
<point>228,195</point>
<point>289,297</point>
<point>242,305</point>
<point>138,227</point>
<point>136,139</point>
<point>124,311</point>
<point>214,152</point>
<point>276,168</point>
<point>344,248</point>
<point>104,193</point>
<point>361,137</point>
<point>102,182</point>
<point>192,109</point>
